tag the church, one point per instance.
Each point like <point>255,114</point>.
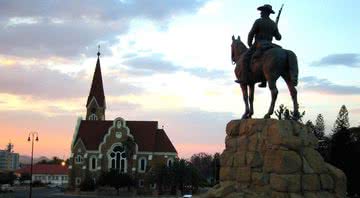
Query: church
<point>131,147</point>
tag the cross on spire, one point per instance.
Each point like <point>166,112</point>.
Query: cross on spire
<point>98,54</point>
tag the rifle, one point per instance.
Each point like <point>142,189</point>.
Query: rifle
<point>278,16</point>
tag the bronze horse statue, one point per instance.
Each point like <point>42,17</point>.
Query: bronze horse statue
<point>272,64</point>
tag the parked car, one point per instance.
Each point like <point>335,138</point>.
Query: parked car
<point>7,188</point>
<point>52,185</point>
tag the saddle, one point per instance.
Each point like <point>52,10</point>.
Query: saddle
<point>241,72</point>
<point>261,47</point>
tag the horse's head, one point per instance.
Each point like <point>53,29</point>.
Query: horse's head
<point>237,48</point>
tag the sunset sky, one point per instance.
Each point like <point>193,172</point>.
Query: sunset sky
<point>163,60</point>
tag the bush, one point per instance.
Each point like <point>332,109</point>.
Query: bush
<point>116,180</point>
<point>87,184</point>
<point>37,183</point>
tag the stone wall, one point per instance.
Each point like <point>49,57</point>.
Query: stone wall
<point>275,158</point>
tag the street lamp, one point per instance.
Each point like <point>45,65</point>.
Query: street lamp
<point>31,138</point>
<point>62,177</point>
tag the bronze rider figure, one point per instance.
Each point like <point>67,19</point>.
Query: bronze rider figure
<point>264,29</point>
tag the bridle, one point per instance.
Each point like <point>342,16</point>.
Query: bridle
<point>232,51</point>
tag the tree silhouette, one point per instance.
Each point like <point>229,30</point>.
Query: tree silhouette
<point>319,128</point>
<point>203,162</point>
<point>115,179</point>
<point>342,120</point>
<point>283,113</point>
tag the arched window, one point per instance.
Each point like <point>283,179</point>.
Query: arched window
<point>142,163</point>
<point>79,159</point>
<point>93,117</point>
<point>93,163</point>
<point>117,159</point>
<point>170,162</point>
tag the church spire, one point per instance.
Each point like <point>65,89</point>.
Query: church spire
<point>96,100</point>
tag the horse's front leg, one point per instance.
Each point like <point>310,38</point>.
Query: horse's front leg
<point>274,93</point>
<point>245,97</point>
<point>251,99</point>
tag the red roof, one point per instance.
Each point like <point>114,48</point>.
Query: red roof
<point>146,134</point>
<point>50,169</point>
<point>97,89</point>
<point>163,143</point>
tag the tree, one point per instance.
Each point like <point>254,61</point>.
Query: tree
<point>319,128</point>
<point>342,120</point>
<point>280,112</point>
<point>130,147</point>
<point>203,162</point>
<point>311,127</point>
<point>182,175</point>
<point>160,174</point>
<point>344,152</point>
<point>283,113</point>
<point>88,184</point>
<point>115,179</point>
<point>216,164</point>
<point>318,131</point>
<point>54,160</point>
<point>7,178</point>
<point>185,175</point>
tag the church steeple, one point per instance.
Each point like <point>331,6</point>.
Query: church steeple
<point>96,104</point>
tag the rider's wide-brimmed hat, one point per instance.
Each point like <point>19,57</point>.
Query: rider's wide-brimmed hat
<point>266,8</point>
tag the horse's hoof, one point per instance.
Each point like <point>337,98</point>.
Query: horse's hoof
<point>245,116</point>
<point>266,116</point>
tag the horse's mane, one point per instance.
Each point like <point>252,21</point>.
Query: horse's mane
<point>241,47</point>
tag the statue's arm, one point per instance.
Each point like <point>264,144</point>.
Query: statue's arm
<point>252,34</point>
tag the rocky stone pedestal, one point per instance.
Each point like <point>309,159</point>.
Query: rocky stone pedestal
<point>274,158</point>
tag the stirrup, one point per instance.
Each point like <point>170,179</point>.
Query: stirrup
<point>262,84</point>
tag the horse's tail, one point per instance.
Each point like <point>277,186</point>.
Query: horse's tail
<point>293,67</point>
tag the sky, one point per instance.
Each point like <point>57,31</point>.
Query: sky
<point>167,61</point>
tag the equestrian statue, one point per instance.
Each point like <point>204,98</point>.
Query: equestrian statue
<point>264,62</point>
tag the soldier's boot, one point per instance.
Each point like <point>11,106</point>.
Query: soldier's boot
<point>262,84</point>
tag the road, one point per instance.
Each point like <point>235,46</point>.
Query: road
<point>38,193</point>
<point>52,193</point>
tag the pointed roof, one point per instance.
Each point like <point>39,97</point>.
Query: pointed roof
<point>97,89</point>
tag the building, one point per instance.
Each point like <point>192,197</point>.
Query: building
<point>9,160</point>
<point>47,173</point>
<point>131,147</point>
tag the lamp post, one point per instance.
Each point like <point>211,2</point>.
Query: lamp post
<point>62,177</point>
<point>31,138</point>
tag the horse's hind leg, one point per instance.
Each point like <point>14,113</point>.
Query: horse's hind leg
<point>274,93</point>
<point>293,93</point>
<point>251,99</point>
<point>245,97</point>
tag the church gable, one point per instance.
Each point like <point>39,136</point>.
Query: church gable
<point>146,135</point>
<point>117,133</point>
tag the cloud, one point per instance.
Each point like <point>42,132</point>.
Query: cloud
<point>102,10</point>
<point>68,28</point>
<point>348,60</point>
<point>204,73</point>
<point>155,63</point>
<point>312,83</point>
<point>150,65</point>
<point>46,39</point>
<point>44,83</point>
